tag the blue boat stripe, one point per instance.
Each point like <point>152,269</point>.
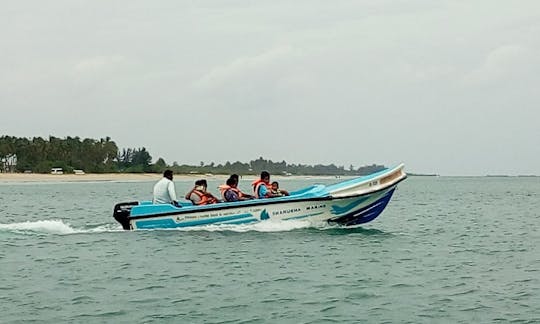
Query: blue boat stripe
<point>171,223</point>
<point>156,223</point>
<point>337,210</point>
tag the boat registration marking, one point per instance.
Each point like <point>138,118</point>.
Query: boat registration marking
<point>316,206</point>
<point>215,214</point>
<point>286,211</point>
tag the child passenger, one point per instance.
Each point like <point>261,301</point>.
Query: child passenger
<point>276,192</point>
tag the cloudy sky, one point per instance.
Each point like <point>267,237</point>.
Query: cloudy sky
<point>447,87</point>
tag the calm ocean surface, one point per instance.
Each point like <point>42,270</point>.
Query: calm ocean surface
<point>446,250</point>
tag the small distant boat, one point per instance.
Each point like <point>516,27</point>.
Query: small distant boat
<point>347,203</point>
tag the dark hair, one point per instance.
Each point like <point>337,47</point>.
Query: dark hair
<point>265,174</point>
<point>275,183</point>
<point>234,176</point>
<point>167,174</point>
<point>201,182</point>
<point>231,181</point>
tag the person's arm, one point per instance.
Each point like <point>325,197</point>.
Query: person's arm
<point>188,195</point>
<point>247,196</point>
<point>270,194</point>
<point>263,192</point>
<point>172,193</point>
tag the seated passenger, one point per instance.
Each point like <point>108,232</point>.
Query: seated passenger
<point>223,189</point>
<point>230,191</point>
<point>164,192</point>
<point>199,196</point>
<point>262,187</point>
<point>278,192</point>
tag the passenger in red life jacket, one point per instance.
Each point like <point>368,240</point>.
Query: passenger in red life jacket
<point>262,187</point>
<point>225,187</point>
<point>199,196</point>
<point>231,192</point>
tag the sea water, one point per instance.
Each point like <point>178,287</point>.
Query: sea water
<point>446,250</point>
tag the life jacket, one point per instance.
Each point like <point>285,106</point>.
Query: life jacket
<point>257,184</point>
<point>224,188</point>
<point>205,200</point>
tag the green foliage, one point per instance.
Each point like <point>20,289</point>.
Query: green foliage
<point>135,160</point>
<point>40,155</point>
<point>159,166</point>
<point>95,156</point>
<point>255,167</point>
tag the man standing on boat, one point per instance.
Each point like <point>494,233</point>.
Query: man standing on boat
<point>164,192</point>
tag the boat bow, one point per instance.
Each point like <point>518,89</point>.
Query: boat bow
<point>367,184</point>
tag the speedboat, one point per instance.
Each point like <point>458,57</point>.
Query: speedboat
<point>346,203</point>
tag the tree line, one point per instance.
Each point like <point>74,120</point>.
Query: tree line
<point>283,168</point>
<point>39,155</point>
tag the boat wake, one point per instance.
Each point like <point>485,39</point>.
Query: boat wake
<point>266,226</point>
<point>58,227</point>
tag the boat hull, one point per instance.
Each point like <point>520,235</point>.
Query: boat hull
<point>349,203</point>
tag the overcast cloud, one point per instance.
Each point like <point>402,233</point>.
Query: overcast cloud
<point>448,87</point>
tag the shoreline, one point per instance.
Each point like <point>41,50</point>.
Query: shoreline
<point>118,177</point>
<point>88,177</point>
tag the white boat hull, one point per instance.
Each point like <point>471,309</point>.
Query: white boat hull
<point>351,202</point>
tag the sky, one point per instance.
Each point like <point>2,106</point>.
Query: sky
<point>446,87</point>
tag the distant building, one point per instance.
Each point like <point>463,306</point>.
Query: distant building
<point>57,171</point>
<point>8,163</point>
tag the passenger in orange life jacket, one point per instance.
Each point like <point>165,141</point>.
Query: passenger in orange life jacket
<point>242,195</point>
<point>199,196</point>
<point>230,192</point>
<point>262,187</point>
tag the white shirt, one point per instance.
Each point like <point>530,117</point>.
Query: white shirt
<point>164,192</point>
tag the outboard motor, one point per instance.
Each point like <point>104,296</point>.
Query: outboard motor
<point>121,213</point>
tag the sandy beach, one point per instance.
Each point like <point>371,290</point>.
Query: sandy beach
<point>42,177</point>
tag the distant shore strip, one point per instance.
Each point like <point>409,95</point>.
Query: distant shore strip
<point>89,177</point>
